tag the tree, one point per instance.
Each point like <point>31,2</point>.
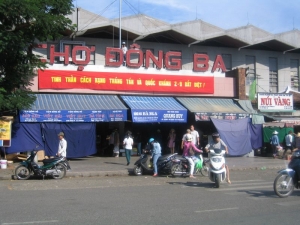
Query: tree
<point>23,23</point>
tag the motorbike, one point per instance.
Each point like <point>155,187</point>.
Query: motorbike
<point>144,164</point>
<point>217,168</point>
<point>287,179</point>
<point>54,167</point>
<point>181,166</point>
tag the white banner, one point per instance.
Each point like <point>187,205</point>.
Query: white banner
<point>275,102</point>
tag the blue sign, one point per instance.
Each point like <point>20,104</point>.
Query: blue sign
<point>205,116</point>
<point>151,116</point>
<point>73,115</point>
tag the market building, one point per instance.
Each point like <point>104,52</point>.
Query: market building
<point>171,76</point>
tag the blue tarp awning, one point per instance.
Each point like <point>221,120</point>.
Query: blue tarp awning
<point>75,108</point>
<point>155,109</point>
<point>206,108</point>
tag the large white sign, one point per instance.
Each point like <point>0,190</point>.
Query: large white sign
<point>275,102</point>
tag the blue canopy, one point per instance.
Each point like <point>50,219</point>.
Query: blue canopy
<point>155,109</point>
<point>235,134</point>
<point>81,138</point>
<point>75,108</point>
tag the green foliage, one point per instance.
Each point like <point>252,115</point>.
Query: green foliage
<point>22,24</point>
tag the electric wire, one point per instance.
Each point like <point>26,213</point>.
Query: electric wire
<point>137,12</point>
<point>97,15</point>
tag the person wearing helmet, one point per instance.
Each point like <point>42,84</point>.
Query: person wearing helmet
<point>188,150</point>
<point>218,144</point>
<point>274,141</point>
<point>156,153</point>
<point>62,148</point>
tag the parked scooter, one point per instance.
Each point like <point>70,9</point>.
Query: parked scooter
<point>287,179</point>
<point>217,167</point>
<point>181,166</point>
<point>54,167</point>
<point>144,164</point>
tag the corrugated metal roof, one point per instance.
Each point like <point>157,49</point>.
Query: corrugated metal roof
<point>77,102</point>
<point>157,103</point>
<point>197,105</point>
<point>139,26</point>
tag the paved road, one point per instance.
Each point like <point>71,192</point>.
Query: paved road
<point>146,200</point>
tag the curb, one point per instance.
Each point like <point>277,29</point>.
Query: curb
<point>128,172</point>
<point>99,173</point>
<point>82,174</point>
<point>258,168</point>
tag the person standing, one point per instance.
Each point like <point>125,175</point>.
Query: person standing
<point>297,142</point>
<point>128,143</point>
<point>98,144</point>
<point>110,149</point>
<point>195,134</point>
<point>171,140</point>
<point>274,141</point>
<point>289,142</point>
<point>124,49</point>
<point>138,140</point>
<point>116,143</point>
<point>156,153</point>
<point>62,148</point>
<point>62,145</point>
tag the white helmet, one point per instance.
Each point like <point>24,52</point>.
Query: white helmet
<point>188,137</point>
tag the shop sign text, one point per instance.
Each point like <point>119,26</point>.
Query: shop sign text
<point>275,101</point>
<point>170,60</point>
<point>112,81</point>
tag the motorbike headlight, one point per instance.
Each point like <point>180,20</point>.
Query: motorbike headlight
<point>216,160</point>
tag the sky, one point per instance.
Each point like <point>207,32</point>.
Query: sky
<point>274,16</point>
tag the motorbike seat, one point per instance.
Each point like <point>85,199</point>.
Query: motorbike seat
<point>45,161</point>
<point>182,159</point>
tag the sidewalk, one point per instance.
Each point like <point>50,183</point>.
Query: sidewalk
<point>110,166</point>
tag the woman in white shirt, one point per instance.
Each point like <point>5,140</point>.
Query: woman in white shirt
<point>128,143</point>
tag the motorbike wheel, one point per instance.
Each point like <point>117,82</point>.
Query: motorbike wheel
<point>283,185</point>
<point>204,170</point>
<point>138,170</point>
<point>218,180</point>
<point>175,168</point>
<point>22,173</point>
<point>61,169</point>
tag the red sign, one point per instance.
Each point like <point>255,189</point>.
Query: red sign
<point>170,60</point>
<point>109,81</point>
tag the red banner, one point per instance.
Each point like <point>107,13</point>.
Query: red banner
<point>109,81</point>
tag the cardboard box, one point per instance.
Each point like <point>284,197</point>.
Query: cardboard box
<point>12,157</point>
<point>41,155</point>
